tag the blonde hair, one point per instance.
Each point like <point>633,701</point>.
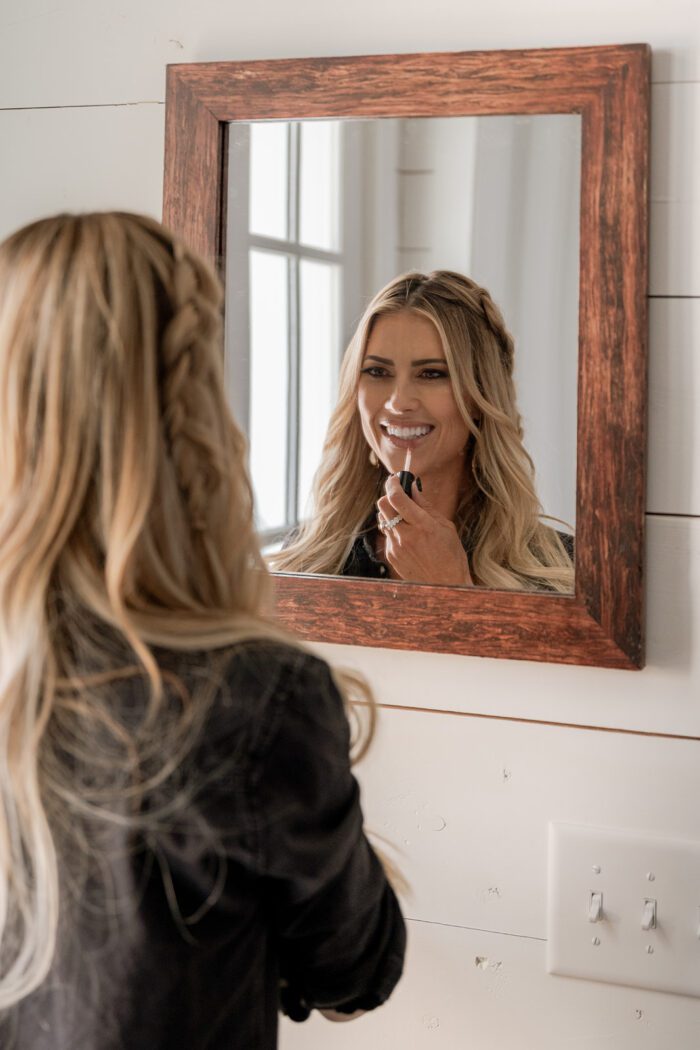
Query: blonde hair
<point>499,517</point>
<point>125,524</point>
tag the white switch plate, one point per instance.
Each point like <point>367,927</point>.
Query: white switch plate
<point>618,863</point>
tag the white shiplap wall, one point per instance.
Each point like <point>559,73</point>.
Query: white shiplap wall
<point>466,797</point>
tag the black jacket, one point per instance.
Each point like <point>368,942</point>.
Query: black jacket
<point>263,888</point>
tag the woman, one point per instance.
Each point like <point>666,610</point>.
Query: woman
<point>429,372</point>
<point>180,831</point>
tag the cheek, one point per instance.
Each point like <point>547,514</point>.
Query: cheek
<point>451,417</point>
<point>369,401</point>
<point>445,408</point>
<point>365,409</point>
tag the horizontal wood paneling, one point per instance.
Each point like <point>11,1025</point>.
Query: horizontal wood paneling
<point>78,160</point>
<point>467,802</point>
<point>508,1002</point>
<point>76,53</point>
<point>663,698</point>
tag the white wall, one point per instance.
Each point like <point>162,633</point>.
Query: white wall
<point>467,796</point>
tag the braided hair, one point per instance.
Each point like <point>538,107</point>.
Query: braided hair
<point>185,389</point>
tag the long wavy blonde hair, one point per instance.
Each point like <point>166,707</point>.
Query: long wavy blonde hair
<point>125,524</point>
<point>499,518</point>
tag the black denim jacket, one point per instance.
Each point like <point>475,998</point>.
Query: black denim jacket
<point>264,890</point>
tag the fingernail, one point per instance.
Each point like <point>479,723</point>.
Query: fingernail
<point>419,484</point>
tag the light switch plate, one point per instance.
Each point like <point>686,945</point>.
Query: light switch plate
<point>627,868</point>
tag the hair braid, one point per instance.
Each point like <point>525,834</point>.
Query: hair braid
<point>495,321</point>
<point>457,289</point>
<point>186,386</point>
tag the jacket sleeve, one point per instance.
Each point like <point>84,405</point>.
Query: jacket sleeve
<point>337,924</point>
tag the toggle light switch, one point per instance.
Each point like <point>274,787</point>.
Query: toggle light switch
<point>649,914</point>
<point>595,907</point>
<point>637,940</point>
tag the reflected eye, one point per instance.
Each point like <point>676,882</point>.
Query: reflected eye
<point>375,371</point>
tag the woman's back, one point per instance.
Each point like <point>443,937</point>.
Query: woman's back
<point>260,875</point>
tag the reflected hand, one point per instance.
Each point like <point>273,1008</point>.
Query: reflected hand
<point>424,547</point>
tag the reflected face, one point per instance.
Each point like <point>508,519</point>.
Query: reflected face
<point>405,398</point>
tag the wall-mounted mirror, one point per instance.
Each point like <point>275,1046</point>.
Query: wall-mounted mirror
<point>313,183</point>
<point>324,213</point>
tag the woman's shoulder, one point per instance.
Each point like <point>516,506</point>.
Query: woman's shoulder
<point>252,666</point>
<point>253,651</point>
<point>281,672</point>
<point>287,693</point>
<point>270,671</point>
<point>266,658</point>
<point>259,690</point>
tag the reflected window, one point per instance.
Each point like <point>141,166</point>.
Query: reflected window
<point>268,186</point>
<point>283,321</point>
<point>269,380</point>
<point>319,182</point>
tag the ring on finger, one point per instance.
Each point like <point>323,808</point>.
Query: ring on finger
<point>392,522</point>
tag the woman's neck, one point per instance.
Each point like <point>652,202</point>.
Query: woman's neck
<point>446,488</point>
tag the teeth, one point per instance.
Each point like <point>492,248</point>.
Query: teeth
<point>407,432</point>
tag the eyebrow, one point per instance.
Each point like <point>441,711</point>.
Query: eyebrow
<point>420,361</point>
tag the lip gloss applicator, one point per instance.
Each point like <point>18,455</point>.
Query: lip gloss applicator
<point>406,479</point>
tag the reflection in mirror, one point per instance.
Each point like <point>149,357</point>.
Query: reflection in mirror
<point>322,214</point>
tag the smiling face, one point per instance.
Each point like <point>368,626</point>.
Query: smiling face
<point>405,399</point>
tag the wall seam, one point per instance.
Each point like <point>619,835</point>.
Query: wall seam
<point>670,514</point>
<point>532,721</point>
<point>83,105</point>
<point>477,929</point>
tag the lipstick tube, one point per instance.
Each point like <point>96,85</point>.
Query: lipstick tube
<point>406,478</point>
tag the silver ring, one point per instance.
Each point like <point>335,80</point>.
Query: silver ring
<point>392,522</point>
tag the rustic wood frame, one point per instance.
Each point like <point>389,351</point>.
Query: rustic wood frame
<point>602,622</point>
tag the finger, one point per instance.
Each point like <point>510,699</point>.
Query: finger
<point>409,510</point>
<point>386,508</point>
<point>426,504</point>
<point>422,500</point>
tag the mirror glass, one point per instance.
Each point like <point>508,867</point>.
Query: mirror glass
<point>321,214</point>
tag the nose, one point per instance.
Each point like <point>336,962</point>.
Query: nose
<point>402,396</point>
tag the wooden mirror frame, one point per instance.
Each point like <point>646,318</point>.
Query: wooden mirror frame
<point>602,622</point>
